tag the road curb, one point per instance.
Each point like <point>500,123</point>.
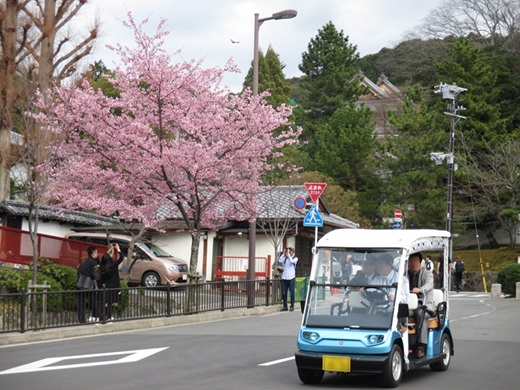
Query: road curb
<point>133,325</point>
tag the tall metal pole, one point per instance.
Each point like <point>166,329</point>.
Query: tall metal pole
<point>449,92</point>
<point>286,14</point>
<point>255,56</point>
<point>451,172</point>
<point>252,223</point>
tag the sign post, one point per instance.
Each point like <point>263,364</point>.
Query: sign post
<point>313,217</point>
<point>398,219</point>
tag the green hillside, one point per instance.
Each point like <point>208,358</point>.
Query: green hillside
<point>497,258</point>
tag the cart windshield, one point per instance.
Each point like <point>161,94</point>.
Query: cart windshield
<point>366,308</point>
<point>353,288</point>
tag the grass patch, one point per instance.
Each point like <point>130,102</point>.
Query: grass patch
<point>497,258</point>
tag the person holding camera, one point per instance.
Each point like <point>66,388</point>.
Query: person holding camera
<point>109,277</point>
<point>287,267</point>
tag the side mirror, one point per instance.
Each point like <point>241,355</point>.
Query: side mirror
<point>402,311</point>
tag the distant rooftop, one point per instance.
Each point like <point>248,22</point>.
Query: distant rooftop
<point>18,208</point>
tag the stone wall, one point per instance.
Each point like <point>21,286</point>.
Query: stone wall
<point>472,281</point>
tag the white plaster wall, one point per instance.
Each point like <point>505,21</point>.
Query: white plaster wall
<point>50,249</point>
<point>500,235</point>
<point>176,244</point>
<point>503,238</point>
<point>179,245</point>
<point>50,228</point>
<point>239,246</point>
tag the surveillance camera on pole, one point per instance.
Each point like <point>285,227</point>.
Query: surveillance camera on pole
<point>449,92</point>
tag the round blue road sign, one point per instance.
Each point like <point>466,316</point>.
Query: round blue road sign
<point>300,203</point>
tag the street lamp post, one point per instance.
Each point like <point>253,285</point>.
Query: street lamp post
<point>285,14</point>
<point>449,92</point>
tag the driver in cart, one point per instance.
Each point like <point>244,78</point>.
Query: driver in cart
<point>421,283</point>
<point>387,276</point>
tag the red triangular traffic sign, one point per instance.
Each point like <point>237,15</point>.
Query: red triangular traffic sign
<point>315,190</point>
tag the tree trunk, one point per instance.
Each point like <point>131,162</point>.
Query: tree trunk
<point>46,61</point>
<point>7,70</point>
<point>194,257</point>
<point>129,255</point>
<point>193,276</point>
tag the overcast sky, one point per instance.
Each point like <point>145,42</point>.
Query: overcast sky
<point>205,28</point>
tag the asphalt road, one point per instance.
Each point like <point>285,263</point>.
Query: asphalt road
<point>256,353</point>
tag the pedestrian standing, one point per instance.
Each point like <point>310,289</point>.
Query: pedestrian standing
<point>287,266</point>
<point>440,270</point>
<point>86,284</point>
<point>109,278</point>
<point>459,271</point>
<point>428,263</point>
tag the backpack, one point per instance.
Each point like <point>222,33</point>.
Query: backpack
<point>429,265</point>
<point>459,266</point>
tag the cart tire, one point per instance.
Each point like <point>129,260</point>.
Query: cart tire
<point>393,372</point>
<point>443,364</point>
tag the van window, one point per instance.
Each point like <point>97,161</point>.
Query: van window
<point>154,250</point>
<point>93,240</point>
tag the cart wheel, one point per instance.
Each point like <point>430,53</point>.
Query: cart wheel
<point>393,372</point>
<point>445,350</point>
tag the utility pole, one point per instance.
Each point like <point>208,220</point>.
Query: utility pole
<point>450,93</point>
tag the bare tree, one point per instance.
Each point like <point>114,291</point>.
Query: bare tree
<point>10,47</point>
<point>38,42</point>
<point>33,177</point>
<point>56,48</point>
<point>277,215</point>
<point>494,184</point>
<point>489,20</point>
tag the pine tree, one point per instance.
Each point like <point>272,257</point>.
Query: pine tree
<point>470,68</point>
<point>270,78</point>
<point>329,66</point>
<point>412,181</point>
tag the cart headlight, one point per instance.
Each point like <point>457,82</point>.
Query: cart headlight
<point>311,337</point>
<point>374,339</point>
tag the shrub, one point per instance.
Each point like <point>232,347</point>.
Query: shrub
<point>507,277</point>
<point>64,275</point>
<point>11,279</point>
<point>123,303</point>
<point>54,301</point>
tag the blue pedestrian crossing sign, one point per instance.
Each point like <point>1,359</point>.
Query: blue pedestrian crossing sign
<point>313,218</point>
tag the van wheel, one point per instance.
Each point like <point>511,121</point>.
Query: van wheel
<point>393,371</point>
<point>151,279</point>
<point>445,350</point>
<point>310,376</point>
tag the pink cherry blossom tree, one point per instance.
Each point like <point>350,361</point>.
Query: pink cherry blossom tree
<point>173,136</point>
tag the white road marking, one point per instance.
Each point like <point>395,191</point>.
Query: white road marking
<point>475,315</point>
<point>272,363</point>
<point>44,364</point>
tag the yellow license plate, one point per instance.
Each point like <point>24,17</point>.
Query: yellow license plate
<point>336,363</point>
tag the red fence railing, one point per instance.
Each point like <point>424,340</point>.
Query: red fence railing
<point>16,247</point>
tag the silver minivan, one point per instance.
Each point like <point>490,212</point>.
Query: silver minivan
<point>153,265</point>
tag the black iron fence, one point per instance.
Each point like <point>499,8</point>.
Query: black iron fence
<point>24,311</point>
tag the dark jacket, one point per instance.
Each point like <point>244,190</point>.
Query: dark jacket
<point>110,275</point>
<point>87,267</point>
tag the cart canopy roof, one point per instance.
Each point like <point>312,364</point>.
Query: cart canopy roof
<point>414,240</point>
